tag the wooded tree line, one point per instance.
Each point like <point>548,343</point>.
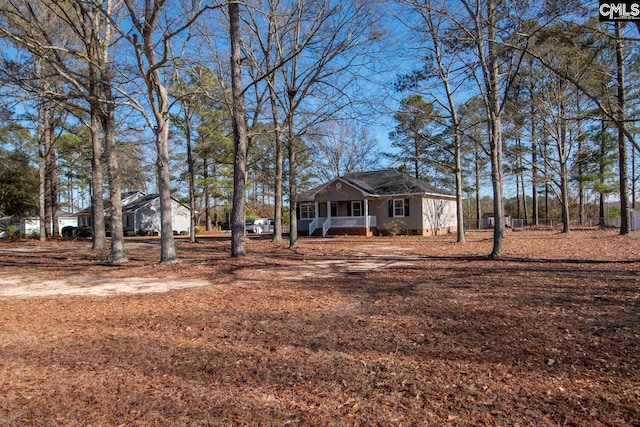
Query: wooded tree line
<point>542,93</point>
<point>251,101</point>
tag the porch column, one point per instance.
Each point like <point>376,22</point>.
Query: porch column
<point>328,209</point>
<point>366,217</point>
<point>317,211</point>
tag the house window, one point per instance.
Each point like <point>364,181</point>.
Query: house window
<point>356,208</point>
<point>398,208</point>
<point>307,210</point>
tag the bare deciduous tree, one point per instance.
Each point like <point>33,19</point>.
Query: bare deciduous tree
<point>239,136</point>
<point>80,56</point>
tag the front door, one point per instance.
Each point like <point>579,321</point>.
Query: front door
<point>334,209</point>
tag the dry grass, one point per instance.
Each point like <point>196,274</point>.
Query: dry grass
<point>345,331</point>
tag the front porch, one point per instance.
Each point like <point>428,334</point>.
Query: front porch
<point>323,226</point>
<point>338,217</point>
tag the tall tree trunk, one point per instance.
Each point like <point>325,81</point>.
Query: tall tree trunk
<point>459,195</point>
<point>97,46</point>
<point>167,245</point>
<point>99,240</point>
<point>564,195</point>
<point>293,197</point>
<point>495,131</point>
<point>42,172</point>
<point>535,214</point>
<point>581,190</point>
<point>279,137</point>
<point>278,184</point>
<point>525,206</point>
<point>206,194</point>
<point>518,201</point>
<point>52,186</point>
<point>293,176</point>
<point>49,167</point>
<point>238,215</point>
<point>192,180</point>
<point>545,175</point>
<point>625,218</point>
<point>581,199</point>
<point>117,253</point>
<point>601,172</point>
<point>477,189</point>
<point>564,171</point>
<point>602,223</point>
<point>158,98</point>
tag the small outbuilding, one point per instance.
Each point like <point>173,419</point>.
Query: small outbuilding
<point>489,220</point>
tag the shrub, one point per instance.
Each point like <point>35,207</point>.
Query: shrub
<point>184,233</point>
<point>143,232</point>
<point>197,230</point>
<point>84,231</point>
<point>129,233</point>
<point>13,232</point>
<point>394,227</point>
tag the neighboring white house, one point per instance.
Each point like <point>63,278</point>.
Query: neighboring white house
<point>142,212</point>
<point>368,203</point>
<point>31,226</point>
<point>635,220</point>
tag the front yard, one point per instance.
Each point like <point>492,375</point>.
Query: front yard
<point>389,331</point>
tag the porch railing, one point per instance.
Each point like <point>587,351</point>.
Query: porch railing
<point>315,224</point>
<point>340,222</point>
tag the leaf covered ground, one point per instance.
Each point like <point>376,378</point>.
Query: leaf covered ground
<point>344,331</point>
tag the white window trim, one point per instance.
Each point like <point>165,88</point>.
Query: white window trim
<point>395,208</point>
<point>307,210</point>
<point>360,208</point>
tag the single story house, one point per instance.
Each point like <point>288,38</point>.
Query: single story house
<point>141,211</point>
<point>368,203</point>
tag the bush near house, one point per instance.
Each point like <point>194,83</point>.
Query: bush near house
<point>84,231</point>
<point>13,232</point>
<point>394,227</point>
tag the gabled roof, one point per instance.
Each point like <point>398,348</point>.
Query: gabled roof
<point>387,182</point>
<point>128,198</point>
<point>139,202</point>
<point>391,182</point>
<point>131,202</point>
<point>145,200</point>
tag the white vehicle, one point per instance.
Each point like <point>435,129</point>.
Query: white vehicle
<point>263,225</point>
